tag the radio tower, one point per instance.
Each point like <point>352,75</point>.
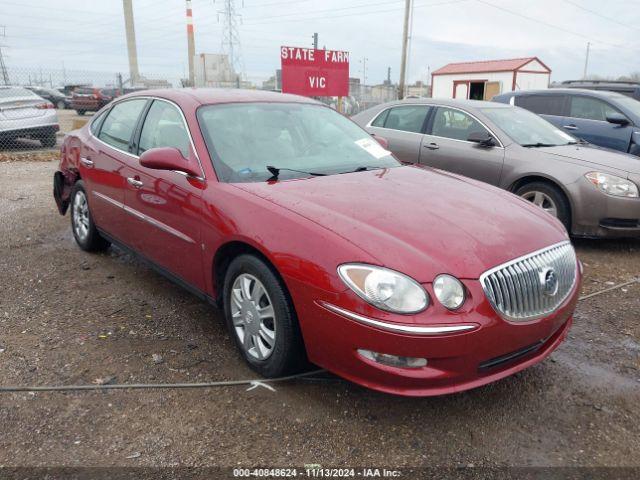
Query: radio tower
<point>230,36</point>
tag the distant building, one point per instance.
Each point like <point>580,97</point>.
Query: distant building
<point>484,80</point>
<point>418,89</point>
<point>215,70</point>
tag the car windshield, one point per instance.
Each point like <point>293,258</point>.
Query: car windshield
<point>629,103</point>
<point>526,128</point>
<point>246,138</point>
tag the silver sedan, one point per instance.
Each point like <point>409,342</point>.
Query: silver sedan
<point>23,114</point>
<point>594,192</point>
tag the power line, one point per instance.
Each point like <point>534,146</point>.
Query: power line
<point>542,22</point>
<point>593,12</point>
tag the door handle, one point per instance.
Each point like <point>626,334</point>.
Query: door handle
<point>570,127</point>
<point>432,146</point>
<point>86,161</point>
<point>134,183</point>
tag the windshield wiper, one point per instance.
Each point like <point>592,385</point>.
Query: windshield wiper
<point>275,172</point>
<point>539,145</point>
<point>363,168</point>
<point>579,142</point>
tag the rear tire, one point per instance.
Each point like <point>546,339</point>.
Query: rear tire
<point>84,230</point>
<point>49,140</point>
<point>81,112</point>
<point>61,105</point>
<point>548,197</point>
<point>261,319</point>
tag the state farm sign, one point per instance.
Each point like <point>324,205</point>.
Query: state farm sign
<point>309,72</point>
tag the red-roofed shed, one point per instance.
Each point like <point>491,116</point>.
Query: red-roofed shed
<point>483,80</point>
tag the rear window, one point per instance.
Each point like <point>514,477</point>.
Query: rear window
<point>16,92</point>
<point>83,91</point>
<point>542,104</point>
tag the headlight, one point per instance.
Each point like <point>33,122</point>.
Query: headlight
<point>612,185</point>
<point>383,288</point>
<point>449,291</point>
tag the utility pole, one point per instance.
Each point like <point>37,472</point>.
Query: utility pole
<point>586,62</point>
<point>191,45</point>
<point>315,41</point>
<point>3,67</point>
<point>388,75</point>
<point>134,74</point>
<point>405,39</point>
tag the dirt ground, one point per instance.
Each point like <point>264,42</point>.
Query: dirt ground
<point>68,317</point>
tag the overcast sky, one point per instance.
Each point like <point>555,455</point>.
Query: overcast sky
<point>89,35</point>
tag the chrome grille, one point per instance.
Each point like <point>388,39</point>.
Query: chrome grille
<point>523,289</point>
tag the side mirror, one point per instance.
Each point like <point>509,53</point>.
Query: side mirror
<point>382,141</point>
<point>168,158</point>
<point>483,139</point>
<point>618,119</point>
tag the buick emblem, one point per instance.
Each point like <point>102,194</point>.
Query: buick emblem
<point>549,281</point>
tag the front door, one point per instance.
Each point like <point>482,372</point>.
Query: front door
<point>587,119</point>
<point>165,207</point>
<point>445,146</point>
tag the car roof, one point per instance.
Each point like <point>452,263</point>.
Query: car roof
<point>207,96</point>
<point>449,102</point>
<point>560,91</point>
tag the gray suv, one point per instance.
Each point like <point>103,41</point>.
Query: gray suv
<point>592,191</point>
<point>607,119</point>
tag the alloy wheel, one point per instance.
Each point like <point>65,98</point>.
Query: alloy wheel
<point>80,215</point>
<point>253,316</point>
<point>543,201</point>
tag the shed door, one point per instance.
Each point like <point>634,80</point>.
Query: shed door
<point>491,89</point>
<point>461,90</point>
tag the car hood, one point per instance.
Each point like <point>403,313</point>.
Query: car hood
<point>419,221</point>
<point>617,162</point>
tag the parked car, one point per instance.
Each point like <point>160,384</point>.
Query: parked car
<point>319,244</point>
<point>54,96</point>
<point>630,89</point>
<point>607,119</point>
<point>23,114</point>
<point>592,191</point>
<point>89,99</point>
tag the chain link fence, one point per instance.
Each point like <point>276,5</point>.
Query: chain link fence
<point>38,107</point>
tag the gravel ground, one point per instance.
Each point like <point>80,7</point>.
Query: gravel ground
<point>68,317</point>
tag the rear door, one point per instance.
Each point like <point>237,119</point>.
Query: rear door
<point>587,119</point>
<point>445,146</point>
<point>165,207</point>
<point>403,127</point>
<point>102,162</point>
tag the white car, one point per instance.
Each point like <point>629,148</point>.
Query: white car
<point>23,114</point>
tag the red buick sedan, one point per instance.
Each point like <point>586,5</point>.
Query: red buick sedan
<point>317,243</point>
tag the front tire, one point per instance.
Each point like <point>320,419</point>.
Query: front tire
<point>84,230</point>
<point>548,197</point>
<point>61,105</point>
<point>261,319</point>
<point>81,112</point>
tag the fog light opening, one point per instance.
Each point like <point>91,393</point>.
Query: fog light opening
<point>393,360</point>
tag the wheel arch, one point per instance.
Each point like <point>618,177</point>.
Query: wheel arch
<point>532,178</point>
<point>226,253</point>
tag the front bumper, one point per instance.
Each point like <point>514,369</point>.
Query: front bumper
<point>457,361</point>
<point>596,214</point>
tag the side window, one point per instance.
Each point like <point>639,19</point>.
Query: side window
<point>164,127</point>
<point>590,108</point>
<point>408,118</point>
<point>450,123</point>
<point>96,121</point>
<point>380,119</point>
<point>542,104</point>
<point>118,127</point>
